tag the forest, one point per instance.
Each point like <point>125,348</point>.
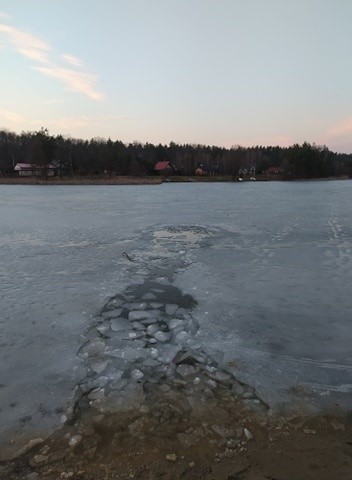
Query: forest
<point>99,156</point>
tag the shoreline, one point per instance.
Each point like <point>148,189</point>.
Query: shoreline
<point>148,180</point>
<point>167,438</point>
<point>122,180</point>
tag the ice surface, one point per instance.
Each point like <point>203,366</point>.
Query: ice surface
<point>268,263</point>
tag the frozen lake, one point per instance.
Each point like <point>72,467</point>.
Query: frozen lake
<point>264,267</point>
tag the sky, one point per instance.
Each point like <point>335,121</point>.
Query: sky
<point>214,72</point>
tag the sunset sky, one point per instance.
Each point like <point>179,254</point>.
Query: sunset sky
<point>219,72</point>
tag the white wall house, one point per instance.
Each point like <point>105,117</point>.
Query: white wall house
<point>30,169</point>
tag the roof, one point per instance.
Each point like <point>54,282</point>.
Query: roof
<point>163,165</point>
<point>31,166</point>
<point>23,166</point>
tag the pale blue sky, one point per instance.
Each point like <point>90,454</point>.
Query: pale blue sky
<point>220,72</point>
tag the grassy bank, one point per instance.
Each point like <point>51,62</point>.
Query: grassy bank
<point>96,180</point>
<point>106,180</point>
<point>145,180</point>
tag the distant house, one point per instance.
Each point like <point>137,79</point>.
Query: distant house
<point>31,169</point>
<point>164,168</point>
<point>274,171</point>
<point>202,170</point>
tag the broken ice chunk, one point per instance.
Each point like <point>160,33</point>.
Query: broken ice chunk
<point>171,308</point>
<point>94,348</point>
<point>99,367</point>
<point>135,306</point>
<point>175,322</point>
<point>134,335</point>
<point>138,326</point>
<point>184,370</point>
<point>103,328</point>
<point>119,324</point>
<point>112,313</point>
<point>137,374</point>
<point>149,296</point>
<point>182,337</point>
<point>222,376</point>
<point>97,394</point>
<point>154,352</point>
<point>138,315</point>
<point>152,329</point>
<point>156,305</point>
<point>162,336</point>
<point>167,355</point>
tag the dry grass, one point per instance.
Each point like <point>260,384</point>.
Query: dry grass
<point>122,180</point>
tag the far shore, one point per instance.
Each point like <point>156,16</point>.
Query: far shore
<point>145,180</point>
<point>86,180</point>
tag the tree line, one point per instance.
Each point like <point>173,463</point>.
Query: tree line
<point>100,156</point>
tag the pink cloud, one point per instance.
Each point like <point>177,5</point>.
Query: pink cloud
<point>341,128</point>
<point>25,43</point>
<point>72,60</point>
<point>39,51</point>
<point>75,81</point>
<point>12,117</point>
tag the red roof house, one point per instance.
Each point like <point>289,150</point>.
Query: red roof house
<point>164,168</point>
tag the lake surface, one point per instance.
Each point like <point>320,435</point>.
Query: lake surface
<point>266,266</point>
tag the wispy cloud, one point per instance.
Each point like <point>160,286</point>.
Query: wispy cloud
<point>76,81</point>
<point>26,44</point>
<point>12,117</point>
<point>341,129</point>
<point>40,52</point>
<point>72,60</point>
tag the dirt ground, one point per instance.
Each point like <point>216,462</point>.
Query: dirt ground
<point>222,440</point>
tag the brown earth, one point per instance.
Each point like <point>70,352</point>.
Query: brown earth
<point>168,439</point>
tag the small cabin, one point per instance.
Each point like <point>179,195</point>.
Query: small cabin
<point>32,170</point>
